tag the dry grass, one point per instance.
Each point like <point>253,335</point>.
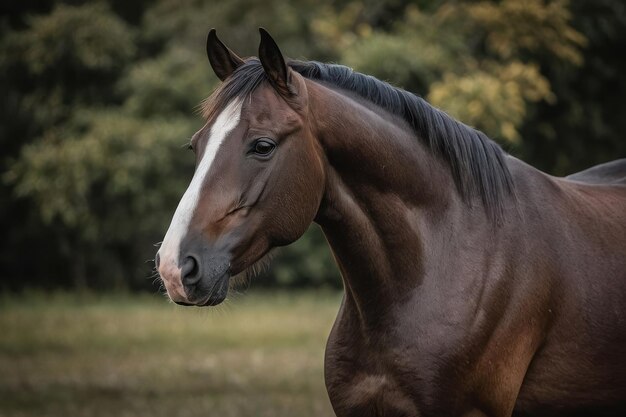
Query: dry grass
<point>260,355</point>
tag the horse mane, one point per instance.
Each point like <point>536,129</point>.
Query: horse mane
<point>476,162</point>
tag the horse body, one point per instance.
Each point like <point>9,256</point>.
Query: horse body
<point>578,367</point>
<point>487,318</point>
<point>475,285</point>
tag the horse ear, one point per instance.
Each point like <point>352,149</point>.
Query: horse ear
<point>223,61</point>
<point>274,64</point>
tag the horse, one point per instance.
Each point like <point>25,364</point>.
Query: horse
<point>474,284</point>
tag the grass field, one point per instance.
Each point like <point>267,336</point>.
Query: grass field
<point>127,355</point>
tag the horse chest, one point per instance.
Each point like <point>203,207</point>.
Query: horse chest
<point>367,395</point>
<point>362,383</point>
<point>381,375</point>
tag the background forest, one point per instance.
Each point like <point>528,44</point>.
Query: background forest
<point>99,99</point>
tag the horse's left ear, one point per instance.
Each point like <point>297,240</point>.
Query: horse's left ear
<point>223,61</point>
<point>274,64</point>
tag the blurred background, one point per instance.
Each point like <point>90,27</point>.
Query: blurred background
<point>99,98</point>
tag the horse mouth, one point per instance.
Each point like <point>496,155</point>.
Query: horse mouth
<point>213,295</point>
<point>218,292</point>
<point>214,300</point>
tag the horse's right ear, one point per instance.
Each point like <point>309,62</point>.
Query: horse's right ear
<point>223,61</point>
<point>274,64</point>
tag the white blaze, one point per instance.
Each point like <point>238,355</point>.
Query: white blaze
<point>224,124</point>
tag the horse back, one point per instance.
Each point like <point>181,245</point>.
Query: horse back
<point>613,172</point>
<point>580,236</point>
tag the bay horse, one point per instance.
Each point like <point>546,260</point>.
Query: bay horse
<point>475,285</point>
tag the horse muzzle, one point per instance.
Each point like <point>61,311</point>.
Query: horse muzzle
<point>194,279</point>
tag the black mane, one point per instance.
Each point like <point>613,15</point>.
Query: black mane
<point>476,162</point>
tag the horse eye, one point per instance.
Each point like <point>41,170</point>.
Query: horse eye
<point>263,147</point>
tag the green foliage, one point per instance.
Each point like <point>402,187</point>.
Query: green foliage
<point>71,39</point>
<point>167,85</point>
<point>111,164</point>
<point>306,262</point>
<point>100,98</point>
<point>65,59</point>
<point>516,26</point>
<point>106,178</point>
<point>385,56</point>
<point>585,124</point>
<point>476,60</point>
<point>492,100</point>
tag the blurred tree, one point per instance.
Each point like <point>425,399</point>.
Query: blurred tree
<point>584,126</point>
<point>475,60</point>
<point>306,262</point>
<point>96,179</point>
<point>66,59</point>
<point>51,66</point>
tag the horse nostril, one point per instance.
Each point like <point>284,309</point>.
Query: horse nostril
<point>190,271</point>
<point>157,260</point>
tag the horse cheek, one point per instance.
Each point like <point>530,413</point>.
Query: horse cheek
<point>296,208</point>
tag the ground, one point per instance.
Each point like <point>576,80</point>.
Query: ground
<point>128,355</point>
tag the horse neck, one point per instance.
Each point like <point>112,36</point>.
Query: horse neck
<point>388,200</point>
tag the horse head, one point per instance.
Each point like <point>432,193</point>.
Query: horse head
<point>258,181</point>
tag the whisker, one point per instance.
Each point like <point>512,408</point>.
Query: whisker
<point>242,281</point>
